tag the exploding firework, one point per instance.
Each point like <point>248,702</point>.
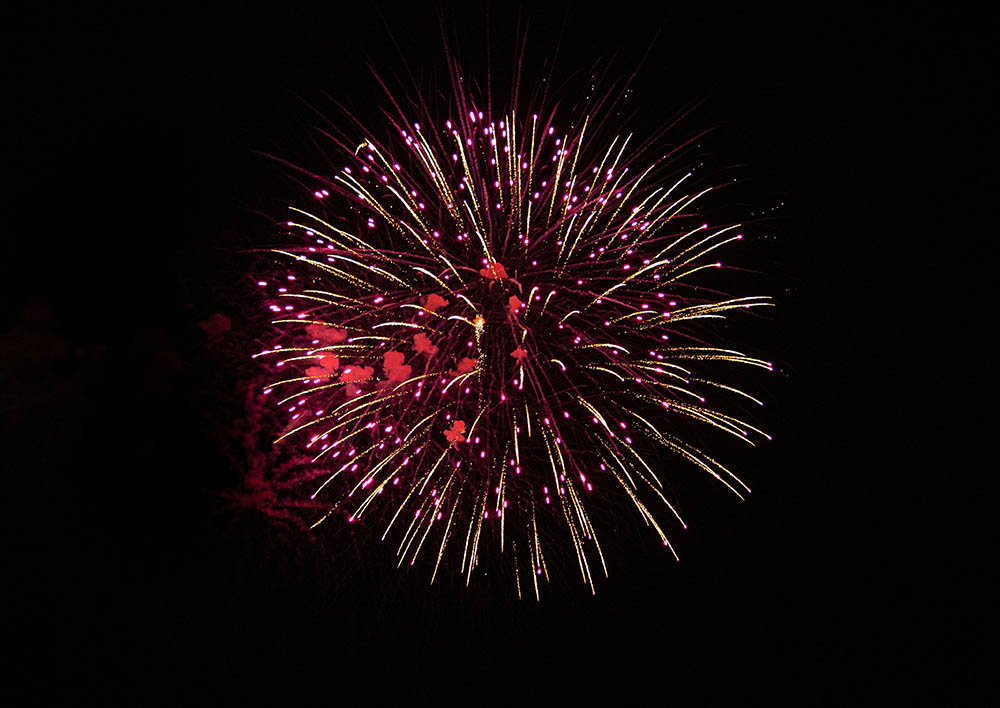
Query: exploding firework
<point>485,323</point>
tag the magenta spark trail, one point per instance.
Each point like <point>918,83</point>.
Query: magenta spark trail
<point>490,324</point>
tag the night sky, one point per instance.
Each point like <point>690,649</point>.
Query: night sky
<point>137,185</point>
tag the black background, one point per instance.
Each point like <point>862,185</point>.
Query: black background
<point>136,181</point>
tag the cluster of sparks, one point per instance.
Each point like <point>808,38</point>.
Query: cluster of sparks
<point>487,321</point>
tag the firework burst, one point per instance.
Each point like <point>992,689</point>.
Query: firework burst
<point>486,321</point>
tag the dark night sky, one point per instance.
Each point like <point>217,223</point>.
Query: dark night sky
<point>136,182</point>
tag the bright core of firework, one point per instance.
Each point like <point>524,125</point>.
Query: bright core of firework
<point>486,323</point>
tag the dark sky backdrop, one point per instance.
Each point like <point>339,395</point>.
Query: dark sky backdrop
<point>133,136</point>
